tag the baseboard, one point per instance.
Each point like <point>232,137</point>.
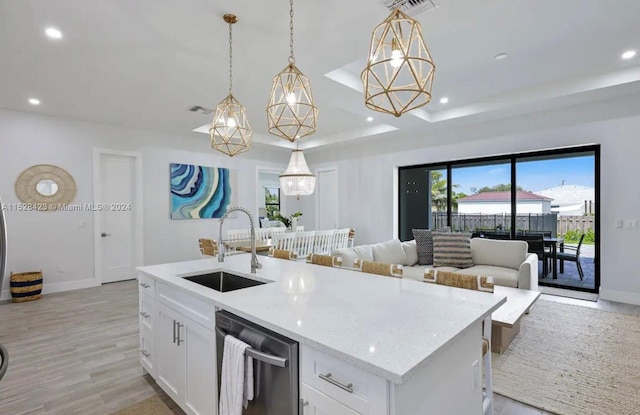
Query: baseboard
<point>56,287</point>
<point>620,296</point>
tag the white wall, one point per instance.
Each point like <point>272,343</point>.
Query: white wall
<point>46,240</point>
<point>367,195</point>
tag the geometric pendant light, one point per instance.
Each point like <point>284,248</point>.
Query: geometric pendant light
<point>297,180</point>
<point>291,111</point>
<point>230,130</point>
<point>399,73</point>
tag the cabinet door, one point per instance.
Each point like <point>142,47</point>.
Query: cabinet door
<point>201,391</point>
<point>170,357</point>
<point>317,403</point>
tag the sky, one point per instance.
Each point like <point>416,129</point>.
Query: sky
<point>531,175</point>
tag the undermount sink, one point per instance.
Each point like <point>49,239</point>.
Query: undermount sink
<point>223,281</point>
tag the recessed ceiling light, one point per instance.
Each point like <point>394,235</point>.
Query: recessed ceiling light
<point>53,33</point>
<point>34,101</point>
<point>369,119</point>
<point>444,100</point>
<point>501,56</point>
<point>629,54</point>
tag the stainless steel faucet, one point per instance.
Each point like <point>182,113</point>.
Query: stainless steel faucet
<point>254,258</point>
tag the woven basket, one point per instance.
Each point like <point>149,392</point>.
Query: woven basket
<point>25,286</point>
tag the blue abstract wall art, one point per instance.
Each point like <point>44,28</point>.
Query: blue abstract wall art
<point>199,192</point>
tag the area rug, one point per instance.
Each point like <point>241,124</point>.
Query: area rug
<point>561,292</point>
<point>573,360</point>
<point>151,406</point>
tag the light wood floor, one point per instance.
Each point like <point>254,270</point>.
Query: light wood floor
<point>76,353</point>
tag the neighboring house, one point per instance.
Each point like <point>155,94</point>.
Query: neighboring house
<point>571,199</point>
<point>500,202</point>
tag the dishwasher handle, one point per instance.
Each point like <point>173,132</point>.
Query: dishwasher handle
<point>255,354</point>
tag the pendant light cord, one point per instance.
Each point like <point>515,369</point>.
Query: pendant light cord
<point>230,58</point>
<point>291,58</point>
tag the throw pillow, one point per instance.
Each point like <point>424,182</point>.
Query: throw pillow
<point>452,250</point>
<point>424,243</point>
<point>389,252</point>
<point>411,251</point>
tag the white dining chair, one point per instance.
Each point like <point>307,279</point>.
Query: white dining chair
<point>340,238</point>
<point>277,231</point>
<point>323,242</point>
<point>283,241</point>
<point>262,235</point>
<point>237,235</point>
<point>304,243</point>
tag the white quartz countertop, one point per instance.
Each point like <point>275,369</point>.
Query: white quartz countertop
<point>387,326</point>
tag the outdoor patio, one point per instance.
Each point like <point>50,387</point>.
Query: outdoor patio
<point>570,277</point>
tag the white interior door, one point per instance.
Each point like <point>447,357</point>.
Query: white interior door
<point>327,194</point>
<point>116,217</point>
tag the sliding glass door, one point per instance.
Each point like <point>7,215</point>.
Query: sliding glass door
<point>557,199</point>
<point>553,195</point>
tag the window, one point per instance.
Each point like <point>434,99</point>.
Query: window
<point>272,201</point>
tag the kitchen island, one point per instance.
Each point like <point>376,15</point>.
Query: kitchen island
<point>406,347</point>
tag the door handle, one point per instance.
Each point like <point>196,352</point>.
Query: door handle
<point>104,234</point>
<point>174,331</point>
<point>179,341</point>
<point>328,378</point>
<point>302,404</point>
<point>145,315</point>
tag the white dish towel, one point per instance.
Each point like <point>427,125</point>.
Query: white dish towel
<point>237,377</point>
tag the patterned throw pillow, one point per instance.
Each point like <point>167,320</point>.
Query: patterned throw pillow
<point>424,243</point>
<point>452,250</point>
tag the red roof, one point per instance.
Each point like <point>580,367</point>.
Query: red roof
<point>502,197</point>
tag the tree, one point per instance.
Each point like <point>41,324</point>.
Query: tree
<point>439,192</point>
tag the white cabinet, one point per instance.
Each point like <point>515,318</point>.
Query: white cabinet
<point>186,364</point>
<point>317,403</point>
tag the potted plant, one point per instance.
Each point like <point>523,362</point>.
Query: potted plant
<point>294,220</point>
<point>290,222</point>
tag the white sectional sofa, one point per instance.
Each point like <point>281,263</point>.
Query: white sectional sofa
<point>506,261</point>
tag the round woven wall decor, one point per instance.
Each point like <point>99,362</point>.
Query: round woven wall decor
<point>27,187</point>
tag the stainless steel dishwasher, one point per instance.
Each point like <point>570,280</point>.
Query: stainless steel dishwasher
<point>275,365</point>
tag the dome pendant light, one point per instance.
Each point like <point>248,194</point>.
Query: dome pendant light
<point>399,73</point>
<point>297,180</point>
<point>230,130</point>
<point>291,111</point>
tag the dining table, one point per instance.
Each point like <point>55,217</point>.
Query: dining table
<point>555,243</point>
<point>262,246</point>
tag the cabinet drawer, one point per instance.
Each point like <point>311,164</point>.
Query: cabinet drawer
<point>147,350</point>
<point>190,306</point>
<point>146,311</point>
<point>354,387</point>
<point>147,285</point>
<point>317,403</point>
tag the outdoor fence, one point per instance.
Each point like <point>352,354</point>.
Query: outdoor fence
<point>581,223</point>
<point>558,225</point>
